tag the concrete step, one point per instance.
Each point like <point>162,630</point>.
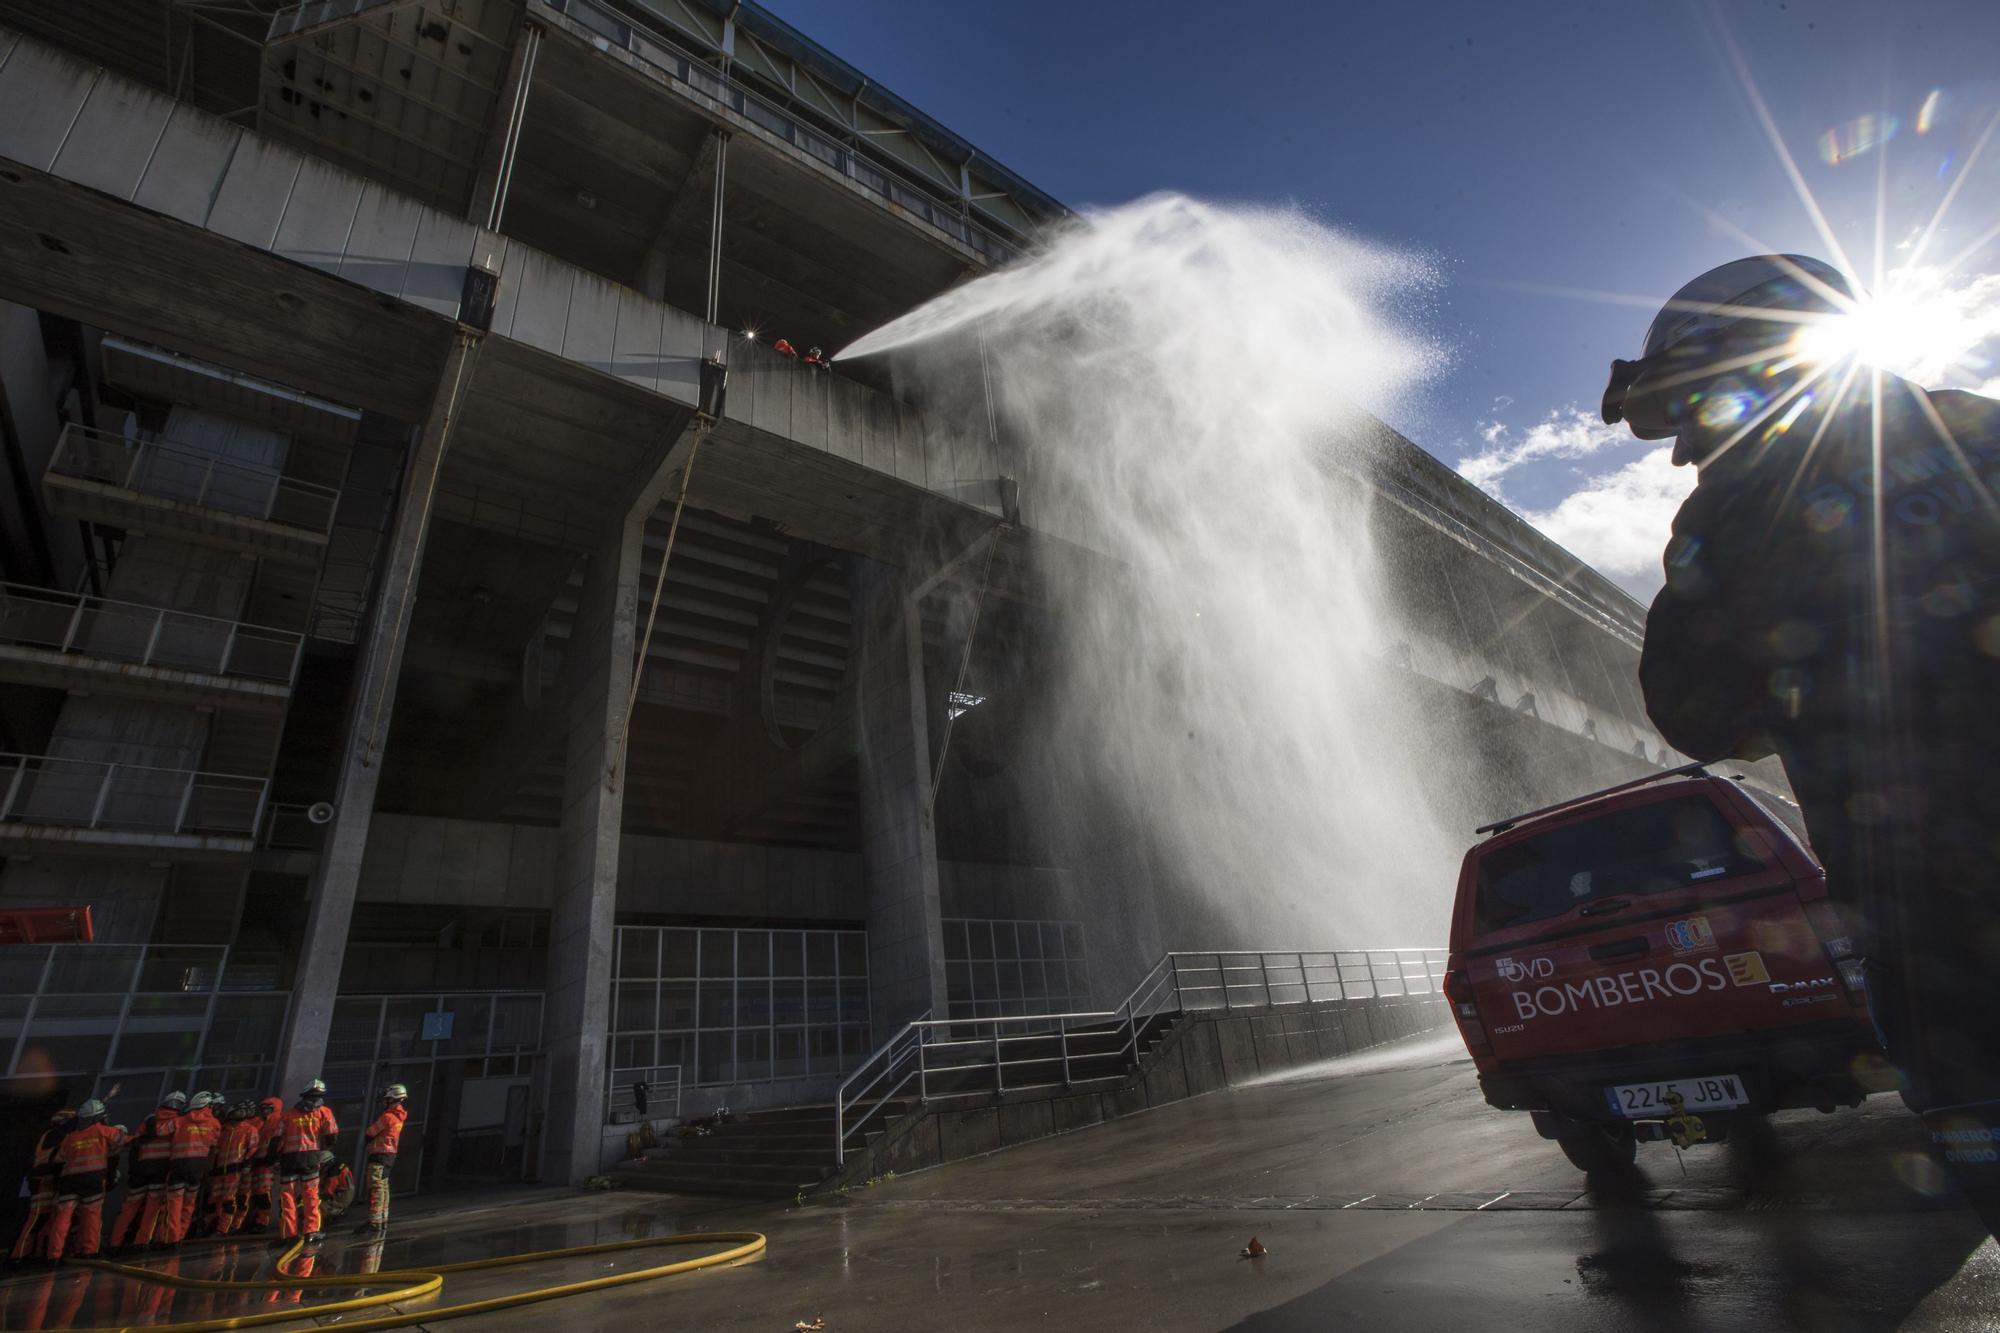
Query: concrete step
<point>698,1151</point>
<point>775,1174</point>
<point>663,1182</point>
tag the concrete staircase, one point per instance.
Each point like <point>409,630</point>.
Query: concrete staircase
<point>781,1151</point>
<point>768,1154</point>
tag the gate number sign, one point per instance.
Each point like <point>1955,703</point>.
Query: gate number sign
<point>437,1026</point>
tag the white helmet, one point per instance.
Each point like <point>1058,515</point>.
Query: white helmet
<point>1707,327</point>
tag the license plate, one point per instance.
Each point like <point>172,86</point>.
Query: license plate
<point>1644,1101</point>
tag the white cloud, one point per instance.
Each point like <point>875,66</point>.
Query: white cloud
<point>1568,432</point>
<point>1619,522</point>
<point>1616,520</point>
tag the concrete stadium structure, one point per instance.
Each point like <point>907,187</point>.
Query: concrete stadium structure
<point>326,579</point>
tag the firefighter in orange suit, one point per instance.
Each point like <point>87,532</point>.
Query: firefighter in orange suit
<point>85,1157</point>
<point>263,1174</point>
<point>194,1148</point>
<point>380,1142</point>
<point>308,1126</point>
<point>42,1172</point>
<point>143,1218</point>
<point>226,1185</point>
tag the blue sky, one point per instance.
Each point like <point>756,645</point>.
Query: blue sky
<point>1528,149</point>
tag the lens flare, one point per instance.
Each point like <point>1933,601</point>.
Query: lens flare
<point>1843,143</point>
<point>1914,330</point>
<point>1927,114</point>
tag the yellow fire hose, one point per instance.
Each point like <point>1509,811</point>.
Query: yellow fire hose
<point>416,1283</point>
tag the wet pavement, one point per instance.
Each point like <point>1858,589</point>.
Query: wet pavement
<point>1388,1194</point>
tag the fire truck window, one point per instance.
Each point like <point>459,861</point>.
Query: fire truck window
<point>1644,849</point>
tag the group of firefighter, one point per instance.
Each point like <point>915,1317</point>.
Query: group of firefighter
<point>200,1167</point>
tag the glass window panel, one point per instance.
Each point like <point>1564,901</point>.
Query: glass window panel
<point>819,953</point>
<point>1006,941</point>
<point>351,1035</point>
<point>161,1031</point>
<point>1008,975</point>
<point>71,1032</point>
<point>822,1001</point>
<point>823,1049</point>
<point>1072,940</point>
<point>718,1005</point>
<point>247,1029</point>
<point>677,953</point>
<point>638,952</point>
<point>718,953</point>
<point>403,1027</point>
<point>517,1023</point>
<point>958,981</point>
<point>471,1018</point>
<point>637,1007</point>
<point>1079,979</point>
<point>94,969</point>
<point>788,1002</point>
<point>753,953</point>
<point>21,968</point>
<point>1033,982</point>
<point>716,1058</point>
<point>677,1004</point>
<point>753,1003</point>
<point>788,954</point>
<point>1052,945</point>
<point>853,1001</point>
<point>632,1052</point>
<point>788,1052</point>
<point>677,1048</point>
<point>954,939</point>
<point>979,935</point>
<point>186,969</point>
<point>13,1013</point>
<point>853,946</point>
<point>753,1054</point>
<point>501,1066</point>
<point>853,1044</point>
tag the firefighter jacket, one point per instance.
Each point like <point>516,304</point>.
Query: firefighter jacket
<point>47,1161</point>
<point>195,1136</point>
<point>308,1129</point>
<point>1833,596</point>
<point>270,1133</point>
<point>386,1133</point>
<point>155,1139</point>
<point>89,1150</point>
<point>240,1141</point>
<point>336,1184</point>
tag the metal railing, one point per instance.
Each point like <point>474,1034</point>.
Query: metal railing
<point>872,171</point>
<point>80,625</point>
<point>1046,1050</point>
<point>94,794</point>
<point>663,1085</point>
<point>169,471</point>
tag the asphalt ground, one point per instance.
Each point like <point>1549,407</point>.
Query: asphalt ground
<point>1386,1192</point>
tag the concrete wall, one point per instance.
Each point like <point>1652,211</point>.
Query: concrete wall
<point>476,863</point>
<point>1208,1052</point>
<point>1005,892</point>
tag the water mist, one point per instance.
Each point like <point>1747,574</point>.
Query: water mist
<point>1183,388</point>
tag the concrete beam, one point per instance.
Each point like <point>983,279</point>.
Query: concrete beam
<point>596,681</point>
<point>373,702</point>
<point>694,196</point>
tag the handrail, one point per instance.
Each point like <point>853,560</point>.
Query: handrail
<point>1178,983</point>
<point>84,625</point>
<point>622,1094</point>
<point>176,471</point>
<point>951,218</point>
<point>101,794</point>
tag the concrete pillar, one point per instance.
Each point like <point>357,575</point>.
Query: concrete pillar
<point>596,683</point>
<point>898,841</point>
<point>338,874</point>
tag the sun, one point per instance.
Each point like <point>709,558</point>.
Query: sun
<point>1912,333</point>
